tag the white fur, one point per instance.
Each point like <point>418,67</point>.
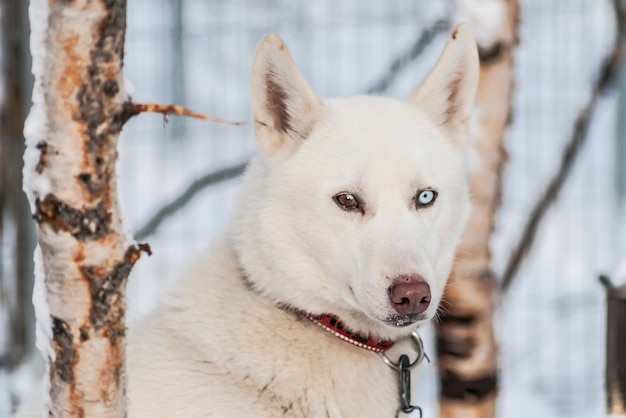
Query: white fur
<point>227,340</point>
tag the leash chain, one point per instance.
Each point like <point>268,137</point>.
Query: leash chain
<point>403,367</point>
<point>404,377</point>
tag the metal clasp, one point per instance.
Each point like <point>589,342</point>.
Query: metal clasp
<point>419,348</point>
<point>404,377</point>
<point>403,367</point>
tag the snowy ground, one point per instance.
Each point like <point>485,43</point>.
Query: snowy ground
<point>551,323</point>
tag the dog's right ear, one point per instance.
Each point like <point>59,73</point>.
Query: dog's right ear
<point>284,105</point>
<point>448,92</point>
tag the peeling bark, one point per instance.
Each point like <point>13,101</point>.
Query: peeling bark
<point>69,177</point>
<point>87,256</point>
<point>466,343</point>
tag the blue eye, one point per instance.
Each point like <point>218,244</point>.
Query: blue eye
<point>425,198</point>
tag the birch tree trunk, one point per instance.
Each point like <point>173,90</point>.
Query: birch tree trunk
<point>69,176</point>
<point>466,345</point>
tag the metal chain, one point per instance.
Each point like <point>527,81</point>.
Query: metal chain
<point>404,378</point>
<point>403,367</point>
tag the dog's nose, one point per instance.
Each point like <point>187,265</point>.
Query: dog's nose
<point>409,294</point>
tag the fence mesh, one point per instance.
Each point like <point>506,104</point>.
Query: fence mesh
<point>198,54</point>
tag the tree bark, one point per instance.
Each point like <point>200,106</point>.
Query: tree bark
<point>615,348</point>
<point>86,254</point>
<point>466,344</point>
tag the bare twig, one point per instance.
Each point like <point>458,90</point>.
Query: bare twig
<point>409,56</point>
<point>194,188</point>
<point>133,109</point>
<point>604,82</point>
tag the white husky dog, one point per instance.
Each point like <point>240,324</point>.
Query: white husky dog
<point>348,222</point>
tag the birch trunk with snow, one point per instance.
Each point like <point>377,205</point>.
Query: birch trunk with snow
<point>69,176</point>
<point>466,344</point>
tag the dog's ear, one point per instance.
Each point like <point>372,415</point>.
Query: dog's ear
<point>448,93</point>
<point>284,105</point>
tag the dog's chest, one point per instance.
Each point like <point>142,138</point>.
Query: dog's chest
<point>335,387</point>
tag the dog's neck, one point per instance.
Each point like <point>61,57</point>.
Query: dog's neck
<point>332,324</point>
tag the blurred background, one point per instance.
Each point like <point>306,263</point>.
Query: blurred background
<point>198,53</point>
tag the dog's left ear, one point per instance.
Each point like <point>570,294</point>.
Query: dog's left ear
<point>448,92</point>
<point>284,105</point>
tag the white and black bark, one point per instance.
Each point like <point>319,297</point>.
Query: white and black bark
<point>79,109</point>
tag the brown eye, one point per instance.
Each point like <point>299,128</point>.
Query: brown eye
<point>347,201</point>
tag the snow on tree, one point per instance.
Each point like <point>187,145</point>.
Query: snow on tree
<point>85,252</point>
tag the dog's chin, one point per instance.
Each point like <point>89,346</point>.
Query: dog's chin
<point>402,321</point>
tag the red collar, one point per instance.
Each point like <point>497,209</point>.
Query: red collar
<point>333,325</point>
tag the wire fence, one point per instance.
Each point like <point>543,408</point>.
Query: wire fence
<point>198,54</point>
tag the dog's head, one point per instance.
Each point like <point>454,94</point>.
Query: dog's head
<point>355,206</point>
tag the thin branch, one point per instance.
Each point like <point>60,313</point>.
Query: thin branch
<point>409,56</point>
<point>604,82</point>
<point>133,109</point>
<point>194,188</point>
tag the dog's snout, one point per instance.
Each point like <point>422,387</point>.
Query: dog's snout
<point>409,294</point>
